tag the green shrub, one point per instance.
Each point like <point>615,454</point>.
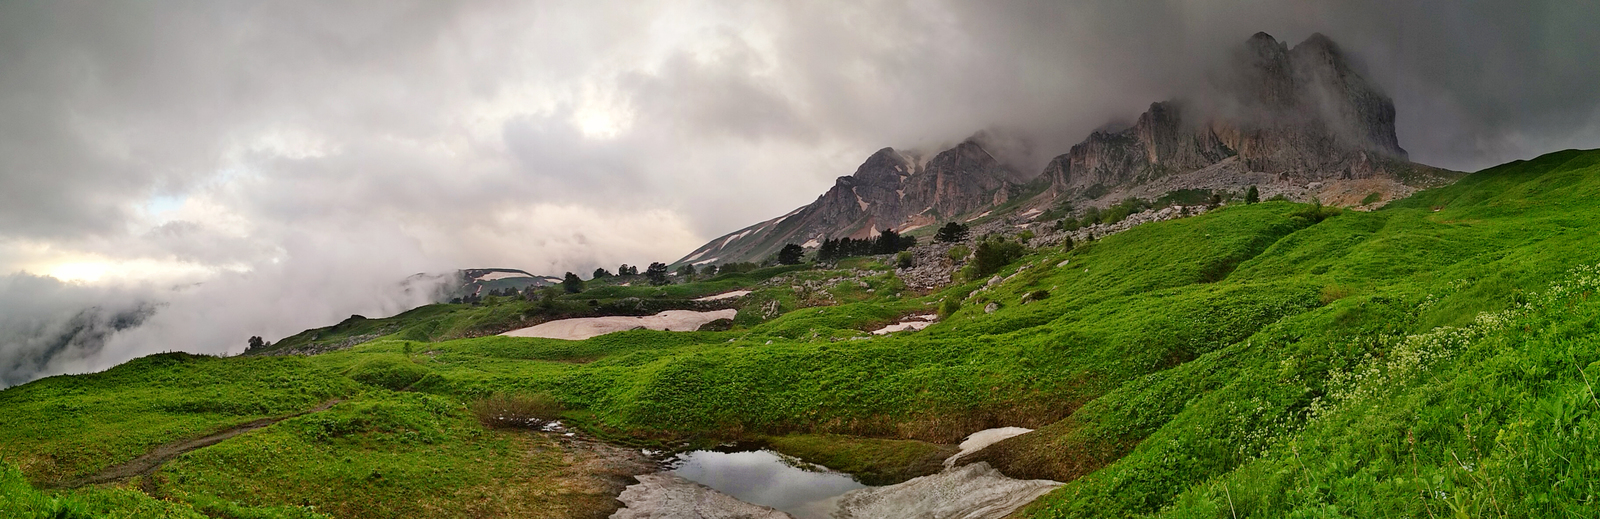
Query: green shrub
<point>1372,198</point>
<point>959,253</point>
<point>1184,197</point>
<point>388,371</point>
<point>903,259</point>
<point>992,255</point>
<point>1091,216</point>
<point>402,417</point>
<point>19,499</point>
<point>949,306</point>
<point>1316,212</point>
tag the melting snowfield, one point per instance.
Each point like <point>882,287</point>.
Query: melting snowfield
<point>725,295</point>
<point>976,491</point>
<point>915,322</point>
<point>502,275</point>
<point>585,327</point>
<point>978,440</point>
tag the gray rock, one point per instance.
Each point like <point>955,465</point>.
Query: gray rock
<point>665,496</point>
<point>1301,116</point>
<point>991,307</point>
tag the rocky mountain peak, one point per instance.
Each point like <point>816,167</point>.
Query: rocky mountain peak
<point>1317,42</point>
<point>885,167</point>
<point>1300,114</point>
<point>959,180</point>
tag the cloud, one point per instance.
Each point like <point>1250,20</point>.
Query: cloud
<point>47,326</point>
<point>288,162</point>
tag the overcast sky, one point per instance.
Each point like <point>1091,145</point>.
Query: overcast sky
<point>256,168</point>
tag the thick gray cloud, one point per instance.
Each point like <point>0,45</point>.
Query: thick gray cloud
<point>288,162</point>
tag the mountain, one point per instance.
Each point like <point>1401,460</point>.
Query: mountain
<point>892,190</point>
<point>1299,122</point>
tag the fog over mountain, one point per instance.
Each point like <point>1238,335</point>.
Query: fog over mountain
<point>183,175</point>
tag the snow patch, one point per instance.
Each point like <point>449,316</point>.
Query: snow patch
<point>916,322</point>
<point>735,237</point>
<point>585,327</point>
<point>977,441</point>
<point>667,496</point>
<point>976,491</point>
<point>502,275</point>
<point>725,295</point>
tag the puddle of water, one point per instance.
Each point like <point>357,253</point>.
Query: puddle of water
<point>768,478</point>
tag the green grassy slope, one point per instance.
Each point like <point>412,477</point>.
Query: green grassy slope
<point>1459,315</point>
<point>1267,360</point>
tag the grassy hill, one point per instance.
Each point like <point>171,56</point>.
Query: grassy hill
<point>1432,358</point>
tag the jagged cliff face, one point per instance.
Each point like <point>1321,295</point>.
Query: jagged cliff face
<point>890,191</point>
<point>1160,143</point>
<point>958,181</point>
<point>1300,115</point>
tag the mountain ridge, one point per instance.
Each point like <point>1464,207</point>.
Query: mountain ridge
<point>1300,122</point>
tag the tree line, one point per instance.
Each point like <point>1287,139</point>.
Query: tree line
<point>887,242</point>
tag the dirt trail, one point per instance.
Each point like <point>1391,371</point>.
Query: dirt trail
<point>150,461</point>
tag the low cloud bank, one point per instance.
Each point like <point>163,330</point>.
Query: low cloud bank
<point>51,327</point>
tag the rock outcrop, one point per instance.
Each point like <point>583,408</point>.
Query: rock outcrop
<point>1298,115</point>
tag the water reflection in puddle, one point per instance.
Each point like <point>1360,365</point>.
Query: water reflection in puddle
<point>767,478</point>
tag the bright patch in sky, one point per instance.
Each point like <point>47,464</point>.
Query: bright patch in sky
<point>600,122</point>
<point>98,269</point>
<point>87,271</point>
<point>159,204</point>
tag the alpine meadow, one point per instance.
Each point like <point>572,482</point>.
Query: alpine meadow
<point>1242,300</point>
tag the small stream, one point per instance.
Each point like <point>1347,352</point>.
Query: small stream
<point>767,478</point>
